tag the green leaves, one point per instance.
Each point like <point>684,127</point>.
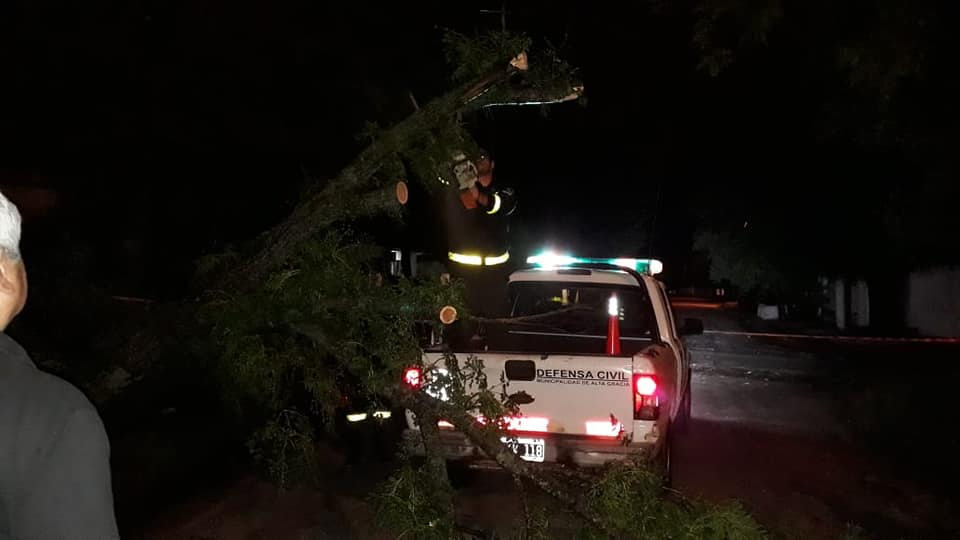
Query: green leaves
<point>414,505</point>
<point>285,446</point>
<point>477,55</point>
<point>629,498</point>
<point>326,320</point>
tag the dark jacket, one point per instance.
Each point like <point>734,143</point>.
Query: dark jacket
<point>54,456</point>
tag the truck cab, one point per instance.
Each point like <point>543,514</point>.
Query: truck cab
<point>595,345</point>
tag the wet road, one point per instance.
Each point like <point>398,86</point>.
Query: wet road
<point>773,428</point>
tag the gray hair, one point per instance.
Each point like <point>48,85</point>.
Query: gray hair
<point>10,226</point>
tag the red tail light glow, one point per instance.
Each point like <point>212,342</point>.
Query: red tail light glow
<point>603,428</point>
<point>646,402</point>
<point>411,377</point>
<point>645,385</point>
<point>527,423</point>
<point>514,423</point>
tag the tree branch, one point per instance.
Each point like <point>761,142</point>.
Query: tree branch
<point>349,193</point>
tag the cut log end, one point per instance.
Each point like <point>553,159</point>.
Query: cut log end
<point>448,314</point>
<point>403,194</point>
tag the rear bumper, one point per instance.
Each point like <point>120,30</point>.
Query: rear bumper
<point>583,451</point>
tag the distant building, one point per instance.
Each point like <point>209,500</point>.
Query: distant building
<point>926,302</point>
<point>847,302</point>
<point>933,302</point>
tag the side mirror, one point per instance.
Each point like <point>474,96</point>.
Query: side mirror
<point>691,327</point>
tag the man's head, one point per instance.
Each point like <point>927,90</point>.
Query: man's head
<point>13,275</point>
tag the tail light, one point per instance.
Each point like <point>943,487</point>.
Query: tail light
<point>411,377</point>
<point>604,428</point>
<point>646,403</point>
<point>526,423</point>
<point>646,385</point>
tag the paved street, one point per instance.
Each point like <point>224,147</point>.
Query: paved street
<point>771,429</point>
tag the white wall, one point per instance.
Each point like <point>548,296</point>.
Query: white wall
<point>933,302</point>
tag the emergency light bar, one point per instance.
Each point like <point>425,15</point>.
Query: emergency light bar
<point>549,259</point>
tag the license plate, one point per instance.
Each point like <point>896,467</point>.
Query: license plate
<point>528,449</point>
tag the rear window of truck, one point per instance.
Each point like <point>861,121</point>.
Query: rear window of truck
<point>581,308</point>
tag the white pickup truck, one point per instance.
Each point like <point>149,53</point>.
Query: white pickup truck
<point>596,396</point>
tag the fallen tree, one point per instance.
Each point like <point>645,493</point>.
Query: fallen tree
<point>330,318</point>
<point>303,312</point>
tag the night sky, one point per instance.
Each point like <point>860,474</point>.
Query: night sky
<point>170,129</point>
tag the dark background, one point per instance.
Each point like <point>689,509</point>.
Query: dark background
<point>817,137</point>
<point>171,129</point>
